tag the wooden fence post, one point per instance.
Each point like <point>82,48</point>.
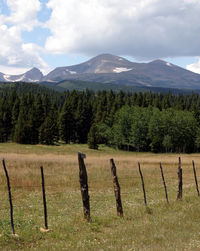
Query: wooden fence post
<point>84,186</point>
<point>164,184</point>
<point>180,181</point>
<point>195,177</point>
<point>145,199</point>
<point>10,198</point>
<point>116,188</point>
<point>44,200</point>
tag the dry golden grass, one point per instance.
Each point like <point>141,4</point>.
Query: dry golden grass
<point>168,227</point>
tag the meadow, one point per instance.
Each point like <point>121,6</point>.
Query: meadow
<point>173,226</point>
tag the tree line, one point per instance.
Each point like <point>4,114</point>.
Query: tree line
<point>131,121</point>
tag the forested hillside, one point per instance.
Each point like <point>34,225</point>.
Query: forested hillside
<point>129,121</point>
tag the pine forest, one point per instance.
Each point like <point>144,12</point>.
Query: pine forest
<point>157,122</point>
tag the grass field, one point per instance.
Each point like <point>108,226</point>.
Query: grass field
<point>167,227</point>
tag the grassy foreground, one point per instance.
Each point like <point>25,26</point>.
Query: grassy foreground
<point>168,227</point>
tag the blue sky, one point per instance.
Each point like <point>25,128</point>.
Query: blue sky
<point>51,33</point>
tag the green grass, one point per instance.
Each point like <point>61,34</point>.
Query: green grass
<point>55,149</point>
<point>164,227</point>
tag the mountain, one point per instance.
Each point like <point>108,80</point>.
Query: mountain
<point>104,63</point>
<point>33,75</point>
<point>99,65</point>
<point>164,74</point>
<point>108,68</point>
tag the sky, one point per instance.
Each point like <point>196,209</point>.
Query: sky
<point>50,33</point>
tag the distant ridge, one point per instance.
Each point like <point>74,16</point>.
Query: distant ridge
<point>69,85</point>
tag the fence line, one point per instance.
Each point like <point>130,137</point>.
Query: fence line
<point>84,188</point>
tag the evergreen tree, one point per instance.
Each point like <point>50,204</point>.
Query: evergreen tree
<point>15,114</point>
<point>83,118</point>
<point>101,110</point>
<point>48,132</point>
<point>67,123</point>
<point>22,130</point>
<point>93,137</point>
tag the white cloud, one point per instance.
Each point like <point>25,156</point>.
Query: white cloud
<point>15,55</point>
<point>144,29</point>
<point>23,14</point>
<point>195,67</point>
<point>13,70</point>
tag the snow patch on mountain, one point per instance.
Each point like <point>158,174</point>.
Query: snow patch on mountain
<point>168,64</point>
<point>6,77</point>
<point>30,80</point>
<point>121,69</point>
<point>9,78</point>
<point>71,72</point>
<point>19,79</point>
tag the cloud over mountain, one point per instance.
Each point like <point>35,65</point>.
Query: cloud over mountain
<point>144,29</point>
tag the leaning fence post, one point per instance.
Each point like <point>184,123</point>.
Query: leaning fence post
<point>195,177</point>
<point>84,186</point>
<point>164,184</point>
<point>116,188</point>
<point>145,199</point>
<point>44,202</point>
<point>180,179</point>
<point>10,197</point>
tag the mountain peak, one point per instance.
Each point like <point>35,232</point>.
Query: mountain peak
<point>104,55</point>
<point>34,69</point>
<point>33,75</point>
<point>162,63</point>
<point>158,61</point>
<point>107,63</point>
<point>108,57</point>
